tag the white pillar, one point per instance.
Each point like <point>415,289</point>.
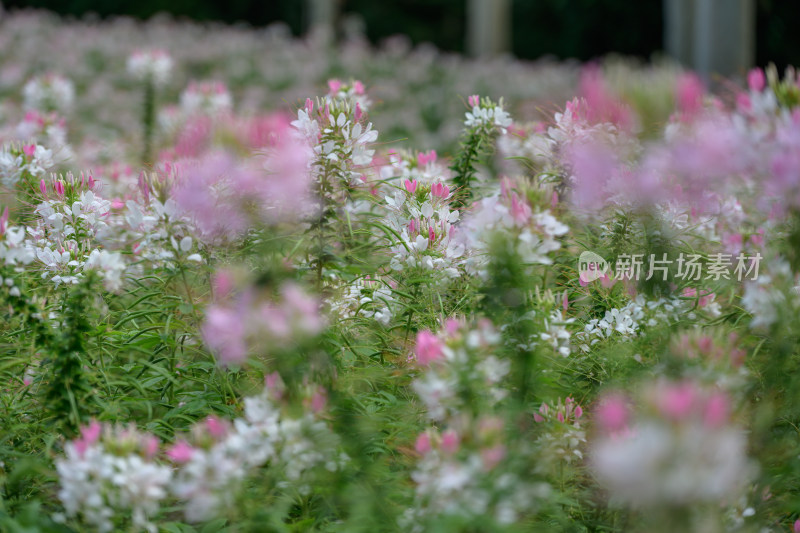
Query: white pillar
<point>713,37</point>
<point>488,27</point>
<point>322,15</point>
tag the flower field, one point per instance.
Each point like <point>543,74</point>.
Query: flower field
<point>253,283</point>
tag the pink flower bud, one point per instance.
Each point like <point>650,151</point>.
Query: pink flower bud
<point>43,187</point>
<point>716,410</point>
<point>412,226</point>
<point>450,442</point>
<point>59,187</point>
<point>358,113</point>
<point>150,446</point>
<point>91,433</point>
<point>612,413</point>
<point>689,94</point>
<point>334,85</point>
<point>411,186</point>
<point>181,452</point>
<point>29,150</point>
<point>215,427</point>
<point>796,527</point>
<point>756,80</point>
<point>309,106</point>
<point>4,221</point>
<point>423,444</point>
<point>491,457</point>
<point>429,348</point>
<point>676,401</point>
<point>578,411</point>
<point>358,87</point>
<point>431,235</point>
<point>91,181</point>
<point>319,400</point>
<point>474,100</point>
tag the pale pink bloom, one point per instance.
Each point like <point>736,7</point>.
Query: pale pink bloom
<point>429,348</point>
<point>150,446</point>
<point>796,527</point>
<point>224,332</point>
<point>474,100</point>
<point>689,93</point>
<point>358,87</point>
<point>601,105</point>
<point>181,452</point>
<point>411,186</point>
<point>612,413</point>
<point>423,443</point>
<point>491,457</point>
<point>716,410</point>
<point>216,428</point>
<point>677,401</point>
<point>334,85</point>
<point>450,442</point>
<point>756,80</point>
<point>319,400</point>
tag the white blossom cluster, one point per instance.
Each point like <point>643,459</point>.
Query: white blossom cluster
<point>209,98</point>
<point>292,447</point>
<point>466,363</point>
<point>680,449</point>
<point>112,476</point>
<point>447,485</point>
<point>33,160</point>
<point>532,236</point>
<point>628,320</point>
<point>364,297</point>
<point>340,141</point>
<point>425,224</point>
<point>488,116</point>
<point>49,92</point>
<point>150,65</point>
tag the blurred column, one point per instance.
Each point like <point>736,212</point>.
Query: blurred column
<point>488,27</point>
<point>322,15</point>
<point>711,36</point>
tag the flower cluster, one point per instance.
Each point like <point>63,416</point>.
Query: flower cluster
<point>109,474</point>
<point>49,92</point>
<point>150,65</point>
<point>223,453</point>
<point>241,323</point>
<point>679,447</point>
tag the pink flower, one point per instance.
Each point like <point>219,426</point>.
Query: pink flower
<point>756,80</point>
<point>423,443</point>
<point>612,413</point>
<point>491,457</point>
<point>796,527</point>
<point>440,190</point>
<point>358,113</point>
<point>520,210</point>
<point>450,442</point>
<point>319,400</point>
<point>59,187</point>
<point>358,87</point>
<point>716,410</point>
<point>429,348</point>
<point>411,186</point>
<point>474,100</point>
<point>181,452</point>
<point>29,150</point>
<point>215,427</point>
<point>677,401</point>
<point>150,446</point>
<point>224,332</point>
<point>4,222</point>
<point>689,92</point>
<point>334,85</point>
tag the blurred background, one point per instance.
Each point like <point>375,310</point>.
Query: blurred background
<point>758,31</point>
